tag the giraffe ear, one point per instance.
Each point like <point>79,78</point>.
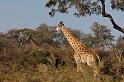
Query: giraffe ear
<point>61,22</point>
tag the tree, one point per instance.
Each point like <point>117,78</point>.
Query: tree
<point>120,43</point>
<point>86,7</point>
<point>44,34</point>
<point>118,4</point>
<point>118,49</point>
<point>88,39</point>
<point>102,35</point>
<point>22,36</point>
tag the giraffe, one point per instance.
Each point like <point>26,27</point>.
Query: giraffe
<point>83,54</point>
<point>34,43</point>
<point>23,38</point>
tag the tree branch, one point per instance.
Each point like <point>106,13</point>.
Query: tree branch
<point>104,14</point>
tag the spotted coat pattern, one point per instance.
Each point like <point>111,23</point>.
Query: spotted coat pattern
<point>83,54</point>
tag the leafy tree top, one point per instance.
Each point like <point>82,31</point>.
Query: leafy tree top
<point>86,7</point>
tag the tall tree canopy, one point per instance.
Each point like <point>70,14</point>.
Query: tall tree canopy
<point>102,35</point>
<point>86,7</point>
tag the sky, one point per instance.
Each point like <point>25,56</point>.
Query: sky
<point>32,13</point>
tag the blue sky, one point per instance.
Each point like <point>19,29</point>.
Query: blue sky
<point>31,13</point>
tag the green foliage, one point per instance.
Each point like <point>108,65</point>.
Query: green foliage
<point>88,39</point>
<point>44,33</point>
<point>102,35</point>
<point>83,7</point>
<point>32,58</point>
<point>117,4</point>
<point>120,43</point>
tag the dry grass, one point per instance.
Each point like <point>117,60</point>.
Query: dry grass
<point>34,66</point>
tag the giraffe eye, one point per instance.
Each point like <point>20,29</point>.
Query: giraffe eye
<point>59,25</point>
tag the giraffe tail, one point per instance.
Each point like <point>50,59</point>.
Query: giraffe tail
<point>98,58</point>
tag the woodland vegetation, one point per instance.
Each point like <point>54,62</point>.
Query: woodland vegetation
<point>43,55</point>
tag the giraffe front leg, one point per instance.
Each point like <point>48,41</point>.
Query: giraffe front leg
<point>78,66</point>
<point>78,63</point>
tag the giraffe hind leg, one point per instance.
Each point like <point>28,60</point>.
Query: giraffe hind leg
<point>96,70</point>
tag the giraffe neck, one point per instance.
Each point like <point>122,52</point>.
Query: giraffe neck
<point>74,42</point>
<point>34,43</point>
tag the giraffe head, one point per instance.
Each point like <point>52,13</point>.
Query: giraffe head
<point>58,28</point>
